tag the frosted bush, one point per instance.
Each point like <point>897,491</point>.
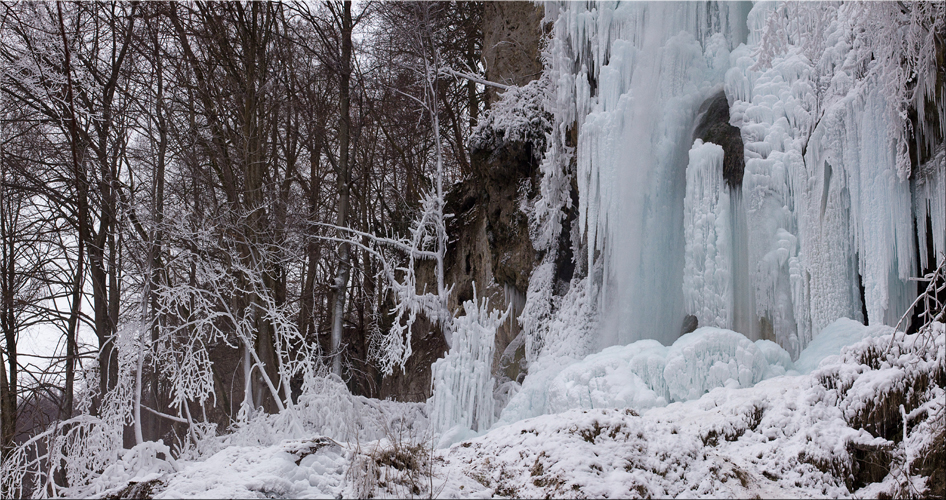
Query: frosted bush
<point>518,116</point>
<point>77,450</point>
<point>327,408</point>
<point>141,463</point>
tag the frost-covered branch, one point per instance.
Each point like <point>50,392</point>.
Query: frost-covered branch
<point>934,310</point>
<point>428,233</point>
<point>402,245</point>
<point>213,307</point>
<point>473,78</point>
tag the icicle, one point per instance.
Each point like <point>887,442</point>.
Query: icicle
<point>462,380</point>
<point>929,199</point>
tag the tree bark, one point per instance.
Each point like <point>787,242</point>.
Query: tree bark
<point>8,379</point>
<point>343,176</point>
<point>82,202</point>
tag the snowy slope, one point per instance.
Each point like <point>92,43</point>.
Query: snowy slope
<point>789,436</point>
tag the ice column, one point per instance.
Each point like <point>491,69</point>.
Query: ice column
<point>707,223</point>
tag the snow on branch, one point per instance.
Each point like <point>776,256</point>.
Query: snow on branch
<point>427,241</point>
<point>934,310</point>
<point>520,115</point>
<point>473,78</point>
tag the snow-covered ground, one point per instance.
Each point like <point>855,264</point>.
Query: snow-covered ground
<point>798,435</point>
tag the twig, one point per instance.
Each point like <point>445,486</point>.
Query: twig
<point>473,78</point>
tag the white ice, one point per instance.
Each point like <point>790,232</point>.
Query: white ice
<point>646,374</point>
<point>462,380</point>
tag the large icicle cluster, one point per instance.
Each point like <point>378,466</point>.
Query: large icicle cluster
<point>462,380</point>
<point>824,223</point>
<point>831,218</point>
<point>631,77</point>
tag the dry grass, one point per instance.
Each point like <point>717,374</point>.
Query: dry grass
<point>402,465</point>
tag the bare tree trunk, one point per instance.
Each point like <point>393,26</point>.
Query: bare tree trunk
<point>8,380</point>
<point>155,242</point>
<point>344,186</point>
<point>82,202</point>
<point>307,309</point>
<point>7,407</point>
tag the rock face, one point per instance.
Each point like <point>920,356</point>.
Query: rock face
<point>492,248</point>
<point>511,35</point>
<point>489,250</point>
<point>713,126</point>
<point>489,255</point>
<point>690,324</point>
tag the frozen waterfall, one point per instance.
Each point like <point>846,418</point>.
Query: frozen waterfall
<point>636,75</point>
<point>822,226</point>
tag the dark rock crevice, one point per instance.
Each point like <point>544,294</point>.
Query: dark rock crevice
<point>713,126</point>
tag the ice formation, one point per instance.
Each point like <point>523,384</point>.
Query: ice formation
<point>633,76</point>
<point>707,223</point>
<point>647,374</point>
<point>462,380</point>
<point>824,222</point>
<point>832,339</point>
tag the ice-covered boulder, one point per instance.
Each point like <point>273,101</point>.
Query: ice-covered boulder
<point>620,376</point>
<point>646,374</point>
